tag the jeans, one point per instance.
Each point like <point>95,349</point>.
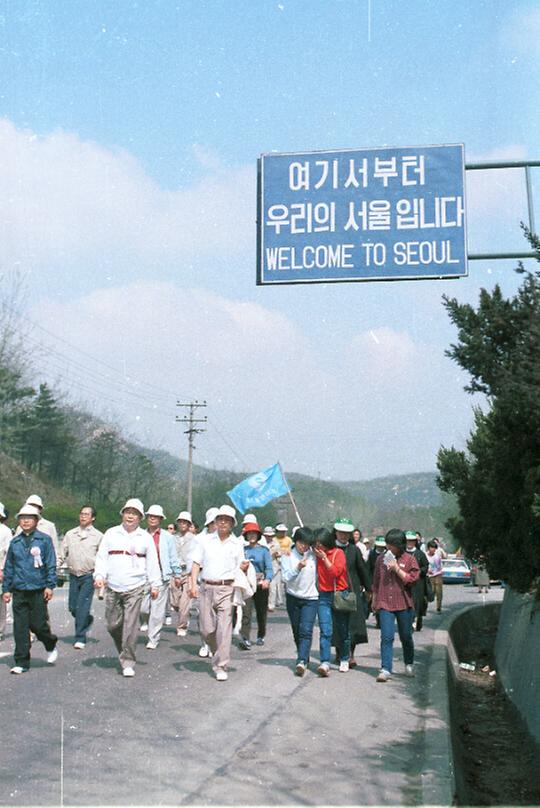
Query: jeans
<point>302,613</point>
<point>81,592</point>
<point>388,619</point>
<point>327,618</point>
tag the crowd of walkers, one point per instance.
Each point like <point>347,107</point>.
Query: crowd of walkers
<point>149,574</point>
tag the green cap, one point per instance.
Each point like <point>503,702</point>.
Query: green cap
<point>410,535</point>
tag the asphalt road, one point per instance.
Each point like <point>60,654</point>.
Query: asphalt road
<point>78,733</point>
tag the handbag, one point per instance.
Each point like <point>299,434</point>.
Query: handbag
<point>344,601</point>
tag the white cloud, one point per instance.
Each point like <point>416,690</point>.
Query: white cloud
<point>270,394</point>
<point>63,200</point>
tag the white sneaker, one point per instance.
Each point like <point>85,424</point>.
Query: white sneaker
<point>204,651</point>
<point>19,669</point>
<point>151,645</point>
<point>384,676</point>
<point>144,626</point>
<point>79,645</point>
<point>409,670</point>
<point>181,632</point>
<point>168,621</point>
<point>128,672</point>
<point>343,666</point>
<point>323,669</point>
<point>52,656</point>
<point>222,675</point>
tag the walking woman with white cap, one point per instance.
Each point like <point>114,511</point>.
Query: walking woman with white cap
<point>126,563</point>
<point>29,578</point>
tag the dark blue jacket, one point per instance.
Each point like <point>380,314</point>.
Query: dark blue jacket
<point>20,571</point>
<point>261,559</point>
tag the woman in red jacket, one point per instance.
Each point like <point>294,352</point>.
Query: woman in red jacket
<point>331,576</point>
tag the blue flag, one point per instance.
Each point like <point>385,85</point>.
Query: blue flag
<point>260,488</point>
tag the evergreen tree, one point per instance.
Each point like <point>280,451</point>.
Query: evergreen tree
<point>497,482</point>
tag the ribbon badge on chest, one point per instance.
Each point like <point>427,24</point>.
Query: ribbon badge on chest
<point>36,552</point>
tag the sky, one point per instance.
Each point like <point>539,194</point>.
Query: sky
<point>129,138</point>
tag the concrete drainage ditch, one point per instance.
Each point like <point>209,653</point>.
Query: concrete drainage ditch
<point>496,761</point>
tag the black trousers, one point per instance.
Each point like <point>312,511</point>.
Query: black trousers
<point>30,614</point>
<point>260,600</point>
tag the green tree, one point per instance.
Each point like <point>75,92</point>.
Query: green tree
<point>45,440</point>
<point>497,481</point>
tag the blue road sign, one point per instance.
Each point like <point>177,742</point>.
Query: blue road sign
<point>363,214</point>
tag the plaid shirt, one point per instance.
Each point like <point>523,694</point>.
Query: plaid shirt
<point>389,591</point>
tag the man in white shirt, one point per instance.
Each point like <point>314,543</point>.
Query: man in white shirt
<point>153,611</point>
<point>5,538</point>
<point>79,549</point>
<point>219,555</point>
<point>127,562</point>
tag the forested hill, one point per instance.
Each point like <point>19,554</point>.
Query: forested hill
<point>412,490</point>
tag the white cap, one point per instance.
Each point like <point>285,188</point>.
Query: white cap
<point>366,540</point>
<point>186,516</point>
<point>134,503</point>
<point>35,500</point>
<point>281,527</point>
<point>210,515</point>
<point>155,510</point>
<point>227,510</point>
<point>269,531</point>
<point>249,518</point>
<point>2,510</point>
<point>29,510</point>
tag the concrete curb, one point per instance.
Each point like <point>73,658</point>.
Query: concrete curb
<point>439,776</point>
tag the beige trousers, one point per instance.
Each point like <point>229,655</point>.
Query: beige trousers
<point>180,600</point>
<point>215,603</point>
<point>122,617</point>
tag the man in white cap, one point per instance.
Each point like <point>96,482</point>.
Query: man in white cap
<point>44,525</point>
<point>5,538</point>
<point>153,611</point>
<point>219,556</point>
<point>127,563</point>
<point>180,599</point>
<point>29,578</point>
<point>79,549</point>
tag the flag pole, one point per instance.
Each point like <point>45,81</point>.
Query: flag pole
<point>298,517</point>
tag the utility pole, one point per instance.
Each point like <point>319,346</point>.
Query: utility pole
<point>191,431</point>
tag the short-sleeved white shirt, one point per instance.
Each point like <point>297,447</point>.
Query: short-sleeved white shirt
<point>219,559</point>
